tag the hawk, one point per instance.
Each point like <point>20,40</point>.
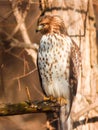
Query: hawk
<point>59,60</point>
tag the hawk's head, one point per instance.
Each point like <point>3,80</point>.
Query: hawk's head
<point>51,24</point>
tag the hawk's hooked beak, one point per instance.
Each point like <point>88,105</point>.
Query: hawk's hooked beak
<point>39,28</point>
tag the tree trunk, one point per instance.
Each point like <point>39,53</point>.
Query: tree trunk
<point>80,23</point>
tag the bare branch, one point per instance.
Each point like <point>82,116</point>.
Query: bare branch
<point>20,18</point>
<point>16,43</point>
<point>33,46</point>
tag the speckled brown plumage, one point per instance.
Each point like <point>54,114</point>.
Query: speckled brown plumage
<point>59,60</point>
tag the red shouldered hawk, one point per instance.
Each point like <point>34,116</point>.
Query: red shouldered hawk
<point>59,61</point>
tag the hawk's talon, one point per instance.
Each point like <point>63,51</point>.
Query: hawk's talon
<point>50,98</point>
<point>62,101</point>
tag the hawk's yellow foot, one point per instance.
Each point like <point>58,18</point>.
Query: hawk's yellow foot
<point>62,101</point>
<point>51,98</point>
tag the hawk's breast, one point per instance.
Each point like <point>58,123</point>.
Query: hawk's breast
<point>54,63</point>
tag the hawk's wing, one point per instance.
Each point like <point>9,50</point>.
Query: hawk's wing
<point>75,65</point>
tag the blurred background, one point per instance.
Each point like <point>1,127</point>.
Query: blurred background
<point>18,51</point>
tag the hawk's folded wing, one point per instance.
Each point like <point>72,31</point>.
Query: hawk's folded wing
<point>75,66</point>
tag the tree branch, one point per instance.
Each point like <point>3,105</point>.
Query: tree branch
<point>28,107</point>
<point>20,18</point>
<point>38,107</point>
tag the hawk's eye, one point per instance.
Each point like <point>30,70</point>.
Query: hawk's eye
<point>42,24</point>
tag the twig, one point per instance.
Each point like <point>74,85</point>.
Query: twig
<point>19,86</point>
<point>22,76</point>
<point>28,93</point>
<point>6,16</point>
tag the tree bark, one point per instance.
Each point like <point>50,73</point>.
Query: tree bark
<point>80,24</point>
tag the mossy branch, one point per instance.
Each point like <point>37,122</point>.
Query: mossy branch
<point>28,107</point>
